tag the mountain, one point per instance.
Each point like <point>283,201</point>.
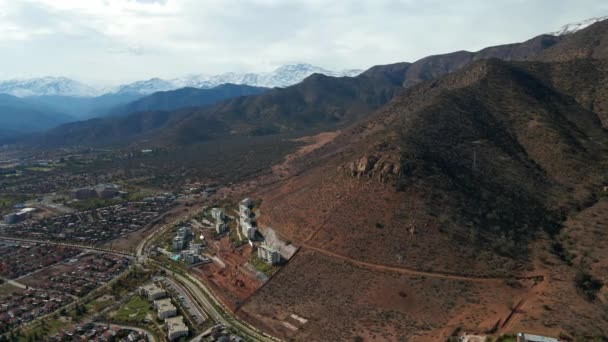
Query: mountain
<point>283,76</point>
<point>432,67</point>
<point>574,27</point>
<point>106,131</point>
<point>591,42</point>
<point>82,108</point>
<point>324,102</point>
<point>466,179</point>
<point>18,116</point>
<point>187,97</point>
<point>146,87</point>
<point>46,86</point>
<point>318,101</point>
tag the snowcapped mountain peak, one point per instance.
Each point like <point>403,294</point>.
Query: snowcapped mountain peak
<point>283,76</point>
<point>573,27</point>
<point>48,85</point>
<point>146,86</point>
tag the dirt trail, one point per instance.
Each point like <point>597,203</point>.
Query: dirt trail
<point>314,142</point>
<point>403,270</point>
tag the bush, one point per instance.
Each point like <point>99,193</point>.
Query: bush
<point>587,285</point>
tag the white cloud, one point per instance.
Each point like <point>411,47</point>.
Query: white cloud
<point>122,40</point>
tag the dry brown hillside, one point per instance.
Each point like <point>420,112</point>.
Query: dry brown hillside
<point>470,179</point>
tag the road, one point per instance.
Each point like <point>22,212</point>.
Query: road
<point>68,244</point>
<point>13,282</point>
<point>187,300</point>
<point>215,308</point>
<point>411,271</point>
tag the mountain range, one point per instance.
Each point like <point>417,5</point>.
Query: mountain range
<point>283,76</point>
<point>462,192</point>
<point>319,101</point>
<point>32,114</point>
<point>47,86</point>
<point>20,116</point>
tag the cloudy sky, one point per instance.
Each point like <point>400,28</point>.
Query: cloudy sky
<point>112,41</point>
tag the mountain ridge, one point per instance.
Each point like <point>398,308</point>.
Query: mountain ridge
<point>282,76</point>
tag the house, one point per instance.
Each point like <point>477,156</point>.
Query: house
<point>152,292</point>
<point>269,255</point>
<point>176,328</point>
<point>164,308</point>
<point>521,337</point>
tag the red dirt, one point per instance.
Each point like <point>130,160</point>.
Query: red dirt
<point>234,283</point>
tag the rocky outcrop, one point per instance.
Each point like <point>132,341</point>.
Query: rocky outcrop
<point>383,168</point>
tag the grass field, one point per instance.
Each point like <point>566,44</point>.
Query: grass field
<point>263,266</point>
<point>99,303</point>
<point>135,310</point>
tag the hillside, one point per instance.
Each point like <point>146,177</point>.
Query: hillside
<point>103,131</point>
<point>20,116</point>
<point>459,177</point>
<point>186,97</point>
<point>591,42</point>
<point>82,108</point>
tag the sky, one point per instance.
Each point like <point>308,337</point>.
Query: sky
<point>117,41</point>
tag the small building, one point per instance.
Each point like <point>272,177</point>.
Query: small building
<point>152,292</point>
<point>164,308</point>
<point>521,337</point>
<point>176,328</point>
<point>269,255</point>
